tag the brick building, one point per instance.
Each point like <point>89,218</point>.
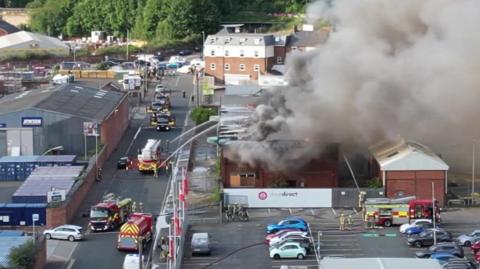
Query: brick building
<point>409,168</point>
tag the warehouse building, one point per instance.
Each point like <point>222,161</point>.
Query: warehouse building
<point>409,168</point>
<point>23,42</point>
<point>33,122</point>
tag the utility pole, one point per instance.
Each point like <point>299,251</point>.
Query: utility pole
<point>473,167</point>
<point>197,87</point>
<point>140,252</point>
<point>434,211</point>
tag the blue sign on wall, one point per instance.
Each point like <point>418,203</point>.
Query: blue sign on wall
<point>32,121</point>
<point>3,125</point>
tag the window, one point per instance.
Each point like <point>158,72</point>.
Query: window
<point>256,67</point>
<point>212,53</point>
<point>242,67</point>
<point>226,52</point>
<point>242,53</point>
<point>212,66</point>
<point>256,53</point>
<point>227,66</point>
<point>279,60</point>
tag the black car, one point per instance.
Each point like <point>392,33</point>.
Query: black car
<point>425,238</point>
<point>184,52</point>
<point>447,247</point>
<point>123,163</point>
<point>304,241</point>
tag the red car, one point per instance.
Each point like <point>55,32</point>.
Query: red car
<point>280,233</point>
<point>475,247</point>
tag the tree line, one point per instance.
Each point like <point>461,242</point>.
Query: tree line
<point>143,19</point>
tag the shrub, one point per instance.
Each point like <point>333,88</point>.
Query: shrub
<point>374,183</point>
<point>201,114</point>
<point>22,256</point>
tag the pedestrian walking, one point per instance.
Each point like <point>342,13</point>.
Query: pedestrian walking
<point>193,98</point>
<point>342,222</point>
<point>183,94</point>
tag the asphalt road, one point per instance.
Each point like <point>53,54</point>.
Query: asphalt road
<point>98,250</point>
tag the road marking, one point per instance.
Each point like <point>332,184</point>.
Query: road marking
<point>176,82</point>
<point>334,212</point>
<point>70,264</point>
<point>133,140</point>
<point>279,266</point>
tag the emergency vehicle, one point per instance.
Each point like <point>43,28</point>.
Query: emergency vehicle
<point>138,225</point>
<point>110,213</point>
<point>387,212</point>
<point>149,159</point>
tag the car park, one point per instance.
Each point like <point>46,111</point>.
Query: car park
<point>447,247</point>
<point>288,250</point>
<point>425,238</point>
<point>67,232</point>
<point>123,162</point>
<point>416,222</point>
<point>467,239</point>
<point>289,223</point>
<point>184,52</point>
<point>304,241</point>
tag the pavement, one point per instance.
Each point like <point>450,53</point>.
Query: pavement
<point>98,249</point>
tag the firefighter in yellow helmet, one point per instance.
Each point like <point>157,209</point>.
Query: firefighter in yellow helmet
<point>342,221</point>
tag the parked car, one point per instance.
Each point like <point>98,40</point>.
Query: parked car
<point>123,163</point>
<point>67,232</point>
<point>420,228</point>
<point>131,261</point>
<point>467,239</point>
<point>281,232</point>
<point>475,247</point>
<point>303,240</point>
<point>288,250</point>
<point>283,237</point>
<point>459,264</point>
<point>425,238</point>
<point>447,247</point>
<point>184,52</point>
<point>201,243</point>
<point>442,257</point>
<point>289,223</point>
<point>416,222</point>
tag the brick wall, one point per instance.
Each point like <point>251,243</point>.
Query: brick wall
<point>41,255</point>
<point>66,212</point>
<point>113,127</point>
<point>3,32</point>
<point>265,65</point>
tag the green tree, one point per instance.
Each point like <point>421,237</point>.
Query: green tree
<point>201,114</point>
<point>50,16</point>
<point>188,17</point>
<point>22,256</point>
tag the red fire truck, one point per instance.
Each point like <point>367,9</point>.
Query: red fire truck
<point>137,229</point>
<point>388,212</point>
<point>110,213</point>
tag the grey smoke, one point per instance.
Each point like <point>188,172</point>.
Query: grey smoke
<point>409,68</point>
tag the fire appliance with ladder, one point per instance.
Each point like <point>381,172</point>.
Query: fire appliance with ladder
<point>388,212</point>
<point>149,159</point>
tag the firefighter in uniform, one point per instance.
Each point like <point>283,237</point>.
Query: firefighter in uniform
<point>349,222</point>
<point>342,221</point>
<point>140,207</point>
<point>134,207</point>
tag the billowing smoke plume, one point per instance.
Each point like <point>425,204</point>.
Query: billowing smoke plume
<point>389,68</point>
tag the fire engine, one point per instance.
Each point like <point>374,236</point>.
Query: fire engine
<point>110,213</point>
<point>388,212</point>
<point>138,227</point>
<point>150,158</point>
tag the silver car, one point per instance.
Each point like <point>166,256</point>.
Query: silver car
<point>467,239</point>
<point>67,232</point>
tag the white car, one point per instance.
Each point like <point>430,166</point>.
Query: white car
<point>288,250</point>
<point>159,88</point>
<point>404,227</point>
<point>285,235</point>
<point>132,261</point>
<point>67,232</point>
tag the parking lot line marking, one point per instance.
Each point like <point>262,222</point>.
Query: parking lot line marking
<point>279,266</point>
<point>334,212</point>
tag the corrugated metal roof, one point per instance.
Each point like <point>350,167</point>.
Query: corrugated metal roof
<point>7,27</point>
<point>401,155</point>
<point>7,243</point>
<point>56,158</point>
<point>57,171</point>
<point>18,159</point>
<point>242,89</point>
<point>40,185</point>
<point>379,263</point>
<point>40,41</point>
<point>71,99</point>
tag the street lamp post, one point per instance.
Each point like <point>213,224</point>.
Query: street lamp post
<point>52,149</point>
<point>473,167</point>
<point>433,214</point>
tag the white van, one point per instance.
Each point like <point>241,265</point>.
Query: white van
<point>131,261</point>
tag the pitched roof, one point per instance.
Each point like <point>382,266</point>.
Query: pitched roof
<point>401,155</point>
<point>7,27</point>
<point>307,38</point>
<point>80,101</point>
<point>21,37</point>
<point>240,39</point>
